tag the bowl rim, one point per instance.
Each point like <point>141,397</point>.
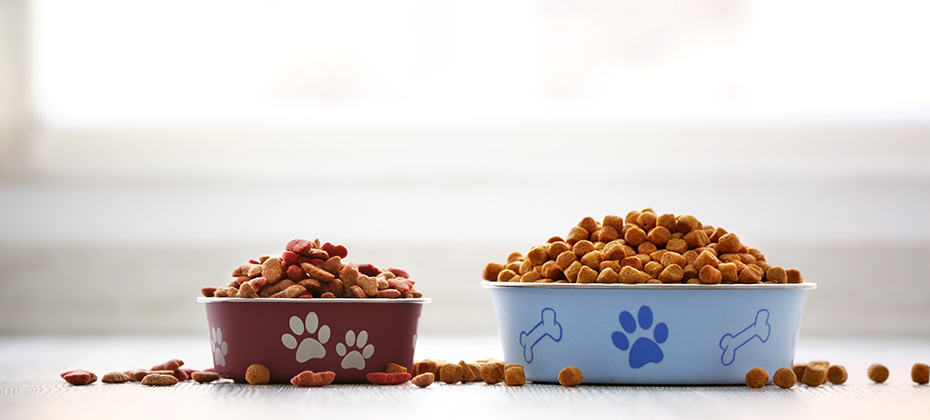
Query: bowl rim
<point>204,299</point>
<point>643,286</point>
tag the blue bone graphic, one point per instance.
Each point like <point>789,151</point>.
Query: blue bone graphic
<point>730,343</point>
<point>547,326</point>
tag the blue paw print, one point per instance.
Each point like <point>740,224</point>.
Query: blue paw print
<point>644,350</point>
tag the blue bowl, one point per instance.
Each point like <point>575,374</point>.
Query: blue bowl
<point>669,334</point>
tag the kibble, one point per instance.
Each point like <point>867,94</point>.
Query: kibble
<point>757,378</point>
<point>814,375</point>
<point>878,373</point>
<point>257,374</point>
<point>423,380</point>
<point>205,377</point>
<point>382,378</point>
<point>836,374</point>
<point>115,378</point>
<point>920,373</point>
<point>784,378</point>
<point>570,376</point>
<point>492,373</point>
<point>79,377</point>
<point>157,379</point>
<point>451,373</point>
<point>514,376</point>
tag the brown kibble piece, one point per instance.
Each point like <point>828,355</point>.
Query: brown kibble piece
<point>514,257</point>
<point>633,261</point>
<point>757,378</point>
<point>565,259</point>
<point>172,365</point>
<point>491,271</point>
<point>514,376</point>
<point>793,276</point>
<point>710,275</point>
<point>659,236</point>
<point>556,249</point>
<point>878,373</point>
<point>920,373</point>
<point>676,245</point>
<point>158,379</point>
<point>634,236</point>
<point>468,375</point>
<point>271,270</point>
<point>728,272</point>
<point>784,378</point>
<point>507,275</point>
<point>583,247</point>
<point>653,269</point>
<point>705,258</point>
<point>492,373</point>
<point>576,234</point>
<point>751,274</point>
<point>836,374</point>
<point>426,366</point>
<point>204,377</point>
<point>671,274</point>
<point>815,374</point>
<point>728,244</point>
<point>257,374</point>
<point>686,223</point>
<point>592,259</point>
<point>423,380</point>
<point>451,373</point>
<point>538,255</point>
<point>571,376</point>
<point>799,369</point>
<point>115,378</point>
<point>531,277</point>
<point>696,239</point>
<point>586,275</point>
<point>607,234</point>
<point>394,368</point>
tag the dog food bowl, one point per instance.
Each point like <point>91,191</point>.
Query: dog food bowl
<point>671,334</point>
<point>351,337</point>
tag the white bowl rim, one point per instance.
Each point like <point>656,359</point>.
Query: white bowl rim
<point>204,299</point>
<point>643,286</point>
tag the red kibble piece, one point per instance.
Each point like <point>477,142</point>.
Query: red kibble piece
<point>305,296</point>
<point>79,377</point>
<point>399,273</point>
<point>335,250</point>
<point>309,378</point>
<point>254,262</point>
<point>258,282</point>
<point>381,378</point>
<point>299,246</point>
<point>369,270</point>
<point>328,295</point>
<point>183,374</point>
<point>290,257</point>
<point>172,365</point>
<point>207,291</point>
<point>295,273</point>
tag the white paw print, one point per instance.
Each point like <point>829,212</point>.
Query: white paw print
<point>310,348</point>
<point>355,359</point>
<point>219,347</point>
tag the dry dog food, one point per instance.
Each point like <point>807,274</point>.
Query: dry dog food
<point>423,380</point>
<point>79,377</point>
<point>382,378</point>
<point>644,247</point>
<point>158,379</point>
<point>878,373</point>
<point>394,368</point>
<point>920,373</point>
<point>257,374</point>
<point>570,376</point>
<point>815,374</point>
<point>204,377</point>
<point>836,374</point>
<point>115,378</point>
<point>492,373</point>
<point>784,378</point>
<point>757,378</point>
<point>172,365</point>
<point>307,269</point>
<point>313,379</point>
<point>514,375</point>
<point>451,373</point>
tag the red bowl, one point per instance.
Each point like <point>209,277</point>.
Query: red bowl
<point>351,337</point>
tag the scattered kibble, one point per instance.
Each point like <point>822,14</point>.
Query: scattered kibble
<point>79,377</point>
<point>492,373</point>
<point>784,378</point>
<point>450,373</point>
<point>815,374</point>
<point>423,380</point>
<point>757,378</point>
<point>204,377</point>
<point>514,375</point>
<point>115,378</point>
<point>570,376</point>
<point>878,373</point>
<point>920,373</point>
<point>381,378</point>
<point>836,374</point>
<point>158,379</point>
<point>257,374</point>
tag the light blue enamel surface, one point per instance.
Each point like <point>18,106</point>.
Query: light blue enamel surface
<point>678,334</point>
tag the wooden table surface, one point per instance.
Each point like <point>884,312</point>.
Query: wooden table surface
<point>31,388</point>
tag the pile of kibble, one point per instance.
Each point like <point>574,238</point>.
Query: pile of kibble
<point>309,269</point>
<point>644,247</point>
